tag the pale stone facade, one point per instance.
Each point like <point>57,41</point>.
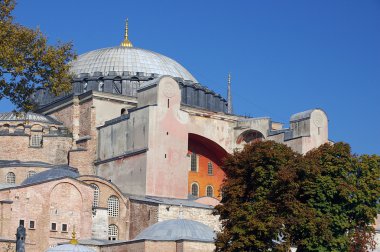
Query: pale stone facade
<point>132,137</point>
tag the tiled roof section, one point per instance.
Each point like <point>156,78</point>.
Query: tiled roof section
<point>18,163</point>
<point>29,116</point>
<point>178,229</point>
<point>54,173</point>
<point>168,201</point>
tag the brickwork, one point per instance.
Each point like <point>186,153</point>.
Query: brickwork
<point>190,246</point>
<point>143,215</point>
<point>53,150</point>
<point>64,201</point>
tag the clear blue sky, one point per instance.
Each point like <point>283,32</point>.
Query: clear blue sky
<point>284,56</point>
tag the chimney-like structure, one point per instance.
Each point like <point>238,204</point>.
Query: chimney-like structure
<point>229,96</point>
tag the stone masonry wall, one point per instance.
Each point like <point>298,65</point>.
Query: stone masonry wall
<point>203,215</point>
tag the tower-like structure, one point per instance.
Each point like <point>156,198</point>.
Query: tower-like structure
<point>20,239</point>
<point>229,96</point>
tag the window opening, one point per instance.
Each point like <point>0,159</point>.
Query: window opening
<point>194,189</point>
<point>113,206</point>
<point>11,178</point>
<point>95,203</point>
<point>210,191</point>
<point>210,169</point>
<point>113,232</point>
<point>194,163</point>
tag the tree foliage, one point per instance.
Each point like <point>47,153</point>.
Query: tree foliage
<point>27,62</point>
<point>323,201</point>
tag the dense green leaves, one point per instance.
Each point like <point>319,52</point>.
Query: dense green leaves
<point>27,62</point>
<point>274,198</point>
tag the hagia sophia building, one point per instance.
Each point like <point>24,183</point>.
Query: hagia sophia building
<point>131,157</point>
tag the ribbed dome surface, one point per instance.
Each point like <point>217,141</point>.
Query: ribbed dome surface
<point>179,229</point>
<point>128,59</point>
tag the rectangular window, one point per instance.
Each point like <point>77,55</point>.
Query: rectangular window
<point>22,222</point>
<point>64,227</point>
<point>54,226</point>
<point>32,224</point>
<point>194,162</point>
<point>36,140</point>
<point>210,169</point>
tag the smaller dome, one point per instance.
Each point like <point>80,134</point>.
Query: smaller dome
<point>179,229</point>
<point>70,248</point>
<point>54,173</point>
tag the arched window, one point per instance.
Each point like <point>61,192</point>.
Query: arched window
<point>194,162</point>
<point>30,173</point>
<point>113,232</point>
<point>113,206</point>
<point>11,178</point>
<point>195,189</point>
<point>100,84</point>
<point>95,203</point>
<point>209,191</point>
<point>210,170</point>
<point>85,84</point>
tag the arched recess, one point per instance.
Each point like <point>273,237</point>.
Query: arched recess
<point>209,148</point>
<point>249,136</point>
<point>205,154</point>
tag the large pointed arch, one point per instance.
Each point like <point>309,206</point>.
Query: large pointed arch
<point>213,150</point>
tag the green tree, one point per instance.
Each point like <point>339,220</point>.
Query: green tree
<point>273,198</point>
<point>258,198</point>
<point>27,62</point>
<point>343,191</point>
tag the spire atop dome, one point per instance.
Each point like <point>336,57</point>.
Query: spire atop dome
<point>126,42</point>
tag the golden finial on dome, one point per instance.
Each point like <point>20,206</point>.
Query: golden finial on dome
<point>73,240</point>
<point>126,42</point>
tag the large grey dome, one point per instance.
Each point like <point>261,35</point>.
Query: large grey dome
<point>179,229</point>
<point>128,59</point>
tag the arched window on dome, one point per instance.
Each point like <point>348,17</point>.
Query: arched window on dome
<point>195,189</point>
<point>113,206</point>
<point>210,191</point>
<point>10,178</point>
<point>101,85</point>
<point>117,88</point>
<point>85,85</point>
<point>135,84</point>
<point>113,232</point>
<point>4,129</point>
<point>30,174</point>
<point>95,203</point>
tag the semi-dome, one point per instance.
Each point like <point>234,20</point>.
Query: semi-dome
<point>178,229</point>
<point>122,59</point>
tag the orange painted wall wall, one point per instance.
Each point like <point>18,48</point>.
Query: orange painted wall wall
<point>204,179</point>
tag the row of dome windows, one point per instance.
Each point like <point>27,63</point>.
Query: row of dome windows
<point>10,178</point>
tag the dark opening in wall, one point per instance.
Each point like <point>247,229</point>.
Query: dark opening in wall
<point>123,110</point>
